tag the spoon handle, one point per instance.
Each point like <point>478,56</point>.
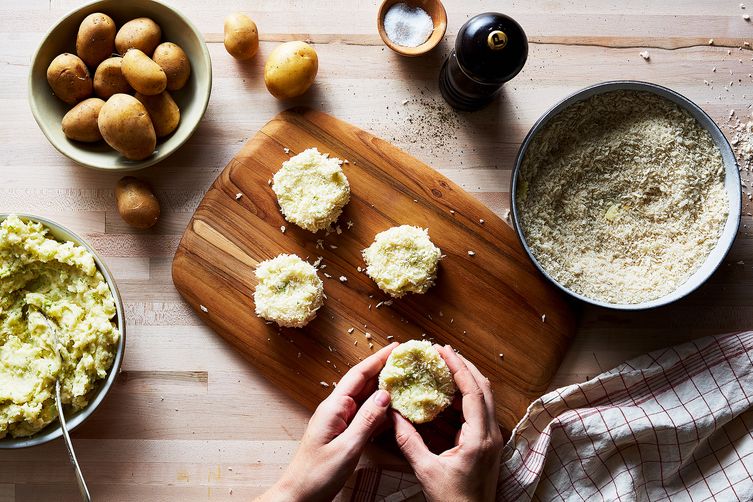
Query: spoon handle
<point>85,496</point>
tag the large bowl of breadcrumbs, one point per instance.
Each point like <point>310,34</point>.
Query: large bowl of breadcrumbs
<point>626,195</point>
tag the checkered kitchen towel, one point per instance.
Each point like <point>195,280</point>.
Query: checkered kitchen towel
<point>674,424</point>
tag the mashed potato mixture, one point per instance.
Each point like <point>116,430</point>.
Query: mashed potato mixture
<point>311,189</point>
<point>418,380</point>
<point>289,292</point>
<point>39,275</point>
<point>402,260</point>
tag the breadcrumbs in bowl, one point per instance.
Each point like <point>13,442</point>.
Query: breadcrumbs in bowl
<point>622,197</point>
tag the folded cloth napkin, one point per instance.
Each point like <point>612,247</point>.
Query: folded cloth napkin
<point>674,424</point>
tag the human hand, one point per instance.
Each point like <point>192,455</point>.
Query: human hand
<point>468,471</point>
<point>336,435</point>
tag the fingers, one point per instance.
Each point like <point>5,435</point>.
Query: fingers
<point>331,418</point>
<point>355,380</point>
<point>474,406</point>
<point>486,388</point>
<point>410,442</point>
<point>368,418</point>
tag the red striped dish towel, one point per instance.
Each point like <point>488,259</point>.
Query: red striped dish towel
<point>674,424</point>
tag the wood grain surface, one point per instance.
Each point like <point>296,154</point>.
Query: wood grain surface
<point>486,304</point>
<point>188,408</point>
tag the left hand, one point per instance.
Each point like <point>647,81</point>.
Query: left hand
<point>336,435</point>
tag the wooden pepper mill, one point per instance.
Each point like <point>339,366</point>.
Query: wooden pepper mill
<point>490,49</point>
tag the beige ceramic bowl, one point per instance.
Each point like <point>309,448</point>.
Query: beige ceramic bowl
<point>48,110</point>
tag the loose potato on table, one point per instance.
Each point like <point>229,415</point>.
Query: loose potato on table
<point>141,33</point>
<point>95,41</point>
<point>174,62</point>
<point>136,202</point>
<point>109,79</point>
<point>69,78</point>
<point>241,36</point>
<point>143,74</point>
<point>290,69</point>
<point>163,111</point>
<point>80,123</point>
<point>125,125</point>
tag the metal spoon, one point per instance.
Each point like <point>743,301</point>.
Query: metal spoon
<point>85,496</point>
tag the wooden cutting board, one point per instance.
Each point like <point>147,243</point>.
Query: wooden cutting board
<point>487,304</point>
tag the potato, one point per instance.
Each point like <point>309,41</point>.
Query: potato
<point>241,36</point>
<point>163,111</point>
<point>125,125</point>
<point>69,78</point>
<point>109,79</point>
<point>175,64</point>
<point>141,33</point>
<point>142,73</point>
<point>80,123</point>
<point>136,202</point>
<point>290,69</point>
<point>95,41</point>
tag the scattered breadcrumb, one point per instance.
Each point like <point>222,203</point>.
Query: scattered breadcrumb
<point>282,229</point>
<point>543,317</point>
<point>320,243</point>
<point>711,41</point>
<point>746,17</point>
<point>327,275</point>
<point>238,196</point>
<point>324,384</point>
<point>203,308</point>
<point>286,150</point>
<point>343,278</point>
<point>471,253</point>
<point>481,221</point>
<point>349,224</point>
<point>501,356</point>
<point>367,335</point>
<point>645,55</point>
<point>351,330</point>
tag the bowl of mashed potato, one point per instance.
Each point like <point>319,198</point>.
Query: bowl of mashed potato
<point>47,271</point>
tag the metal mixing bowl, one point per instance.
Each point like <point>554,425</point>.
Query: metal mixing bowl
<point>731,183</point>
<point>74,419</point>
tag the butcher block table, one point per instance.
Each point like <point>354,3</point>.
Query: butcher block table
<point>190,418</point>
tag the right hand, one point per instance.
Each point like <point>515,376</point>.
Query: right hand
<point>468,471</point>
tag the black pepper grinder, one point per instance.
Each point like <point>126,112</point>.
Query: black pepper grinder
<point>490,49</point>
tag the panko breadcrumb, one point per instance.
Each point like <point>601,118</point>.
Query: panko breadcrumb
<point>288,291</point>
<point>418,380</point>
<point>402,260</point>
<point>621,196</point>
<point>311,189</point>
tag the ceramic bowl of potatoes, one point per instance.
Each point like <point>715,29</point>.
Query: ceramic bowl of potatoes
<point>119,86</point>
